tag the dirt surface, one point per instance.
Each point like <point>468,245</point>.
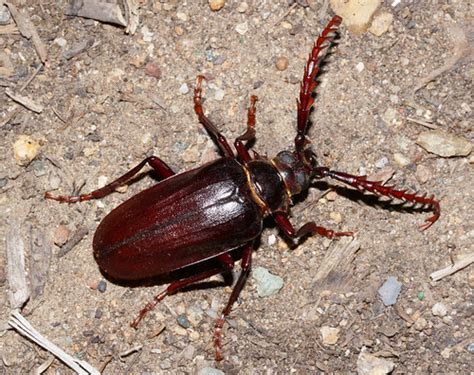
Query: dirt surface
<point>103,114</point>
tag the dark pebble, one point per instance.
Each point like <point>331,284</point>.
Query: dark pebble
<point>98,314</point>
<point>183,321</point>
<point>102,287</point>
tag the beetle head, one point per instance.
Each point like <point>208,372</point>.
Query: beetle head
<point>295,169</point>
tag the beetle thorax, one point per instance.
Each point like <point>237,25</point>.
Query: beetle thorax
<point>269,189</point>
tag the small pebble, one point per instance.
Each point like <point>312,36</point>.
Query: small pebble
<point>39,168</point>
<point>180,331</point>
<point>444,144</point>
<point>210,371</point>
<point>25,149</point>
<point>219,94</point>
<point>329,335</point>
<point>369,364</point>
<point>390,115</point>
<point>281,63</point>
<point>423,174</point>
<point>153,70</point>
<point>184,89</point>
<point>165,364</point>
<point>147,34</point>
<point>61,235</point>
<point>336,217</point>
<point>356,14</point>
<point>243,7</point>
<point>272,240</point>
<point>195,315</point>
<point>102,286</point>
<point>98,314</point>
<point>381,23</point>
<point>382,162</point>
<point>5,16</point>
<point>360,67</point>
<point>389,291</point>
<point>182,16</point>
<point>242,28</point>
<point>216,5</point>
<point>183,321</point>
<point>421,296</point>
<point>420,324</point>
<point>439,309</point>
<point>267,284</point>
<point>331,196</point>
<point>401,159</point>
<point>61,42</point>
<point>470,348</point>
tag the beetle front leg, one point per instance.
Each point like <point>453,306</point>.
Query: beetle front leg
<point>163,170</point>
<point>245,265</point>
<point>227,263</point>
<point>307,229</point>
<point>208,125</point>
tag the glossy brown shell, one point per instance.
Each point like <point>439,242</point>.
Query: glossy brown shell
<point>180,221</point>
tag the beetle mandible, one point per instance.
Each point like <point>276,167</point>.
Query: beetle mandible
<point>186,218</point>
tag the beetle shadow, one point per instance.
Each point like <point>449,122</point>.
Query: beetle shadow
<point>358,197</point>
<point>185,273</point>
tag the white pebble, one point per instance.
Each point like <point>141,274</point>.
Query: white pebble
<point>242,28</point>
<point>360,67</point>
<point>439,309</point>
<point>184,89</point>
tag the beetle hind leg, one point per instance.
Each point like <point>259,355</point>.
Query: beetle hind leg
<point>160,167</point>
<point>227,263</point>
<point>246,264</point>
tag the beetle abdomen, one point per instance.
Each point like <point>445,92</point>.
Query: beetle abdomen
<point>183,220</point>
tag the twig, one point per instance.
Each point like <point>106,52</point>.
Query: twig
<point>426,124</point>
<point>449,270</point>
<point>25,102</point>
<point>16,274</point>
<point>28,30</point>
<point>20,324</point>
<point>75,239</point>
<point>35,73</point>
<point>282,17</point>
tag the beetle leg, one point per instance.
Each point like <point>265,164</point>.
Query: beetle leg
<point>376,187</point>
<point>307,229</point>
<point>156,163</point>
<point>208,125</point>
<point>245,265</point>
<point>227,263</point>
<point>249,134</point>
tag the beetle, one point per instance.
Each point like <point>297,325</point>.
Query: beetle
<point>209,211</point>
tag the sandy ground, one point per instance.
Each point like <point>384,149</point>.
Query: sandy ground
<point>103,114</point>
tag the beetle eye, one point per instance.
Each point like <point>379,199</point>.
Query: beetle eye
<point>287,158</point>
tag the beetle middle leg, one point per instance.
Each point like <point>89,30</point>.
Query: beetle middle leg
<point>310,228</point>
<point>163,170</point>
